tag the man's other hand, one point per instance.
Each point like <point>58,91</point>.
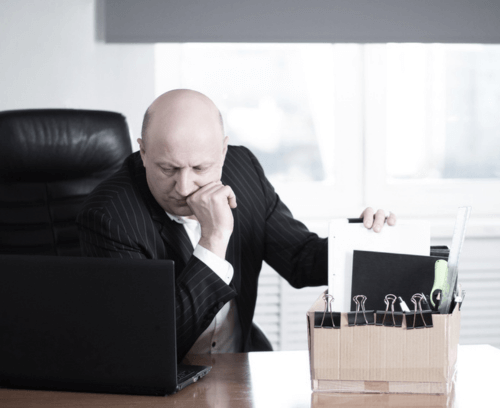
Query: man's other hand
<point>211,205</point>
<point>376,220</point>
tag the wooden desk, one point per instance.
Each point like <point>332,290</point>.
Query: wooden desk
<point>281,379</point>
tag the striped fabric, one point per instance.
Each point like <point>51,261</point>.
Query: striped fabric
<point>122,219</point>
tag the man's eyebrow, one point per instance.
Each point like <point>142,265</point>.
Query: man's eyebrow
<point>204,164</point>
<point>165,163</point>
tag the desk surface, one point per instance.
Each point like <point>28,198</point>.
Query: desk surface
<point>281,379</point>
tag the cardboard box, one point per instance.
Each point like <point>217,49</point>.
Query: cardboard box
<point>378,359</point>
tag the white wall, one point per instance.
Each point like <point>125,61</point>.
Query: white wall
<point>51,57</point>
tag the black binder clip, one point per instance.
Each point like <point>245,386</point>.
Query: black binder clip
<point>327,319</point>
<point>392,319</point>
<point>360,317</point>
<point>419,318</point>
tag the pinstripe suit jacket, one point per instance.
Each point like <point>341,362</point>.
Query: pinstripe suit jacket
<point>122,219</point>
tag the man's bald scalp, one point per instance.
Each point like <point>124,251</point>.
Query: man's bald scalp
<point>148,115</point>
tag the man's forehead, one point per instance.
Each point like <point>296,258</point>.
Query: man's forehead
<point>191,160</point>
<point>185,140</point>
<point>186,150</point>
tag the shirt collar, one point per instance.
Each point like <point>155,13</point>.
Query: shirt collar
<point>181,220</point>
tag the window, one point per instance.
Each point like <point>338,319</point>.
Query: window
<point>432,129</point>
<point>412,128</point>
<point>279,100</point>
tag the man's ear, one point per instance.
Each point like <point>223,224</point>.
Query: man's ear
<point>225,143</point>
<point>142,150</point>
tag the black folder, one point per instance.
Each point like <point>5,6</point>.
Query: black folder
<point>376,274</point>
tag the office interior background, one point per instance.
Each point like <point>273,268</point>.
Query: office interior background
<point>342,113</point>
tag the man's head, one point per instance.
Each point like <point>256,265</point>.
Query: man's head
<point>183,147</point>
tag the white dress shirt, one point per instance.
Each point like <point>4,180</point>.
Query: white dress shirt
<point>224,333</point>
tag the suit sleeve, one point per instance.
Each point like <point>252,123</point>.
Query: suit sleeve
<point>297,254</point>
<point>200,293</point>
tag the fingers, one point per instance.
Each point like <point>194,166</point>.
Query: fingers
<point>218,189</point>
<point>367,216</point>
<point>231,198</point>
<point>376,220</point>
<point>379,221</point>
<point>205,191</point>
<point>391,220</point>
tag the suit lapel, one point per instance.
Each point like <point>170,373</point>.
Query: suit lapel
<point>233,256</point>
<point>175,236</point>
<point>233,252</point>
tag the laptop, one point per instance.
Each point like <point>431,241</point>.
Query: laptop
<point>90,324</point>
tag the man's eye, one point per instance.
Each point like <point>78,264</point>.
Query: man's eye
<point>200,169</point>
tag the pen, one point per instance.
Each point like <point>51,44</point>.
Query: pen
<point>360,220</point>
<point>425,303</point>
<point>403,305</point>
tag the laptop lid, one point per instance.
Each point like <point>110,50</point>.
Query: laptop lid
<point>87,324</point>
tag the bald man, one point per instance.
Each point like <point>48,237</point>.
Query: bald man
<point>189,197</point>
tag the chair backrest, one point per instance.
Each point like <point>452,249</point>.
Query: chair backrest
<point>50,160</point>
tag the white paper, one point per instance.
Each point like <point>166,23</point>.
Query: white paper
<point>406,237</point>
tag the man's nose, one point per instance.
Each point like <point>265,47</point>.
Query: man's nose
<point>185,183</point>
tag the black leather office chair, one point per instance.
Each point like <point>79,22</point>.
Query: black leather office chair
<point>258,339</point>
<point>50,160</point>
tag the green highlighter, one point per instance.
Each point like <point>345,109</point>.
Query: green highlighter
<point>446,273</point>
<point>441,288</point>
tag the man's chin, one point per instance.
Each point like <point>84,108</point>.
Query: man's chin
<point>179,210</point>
